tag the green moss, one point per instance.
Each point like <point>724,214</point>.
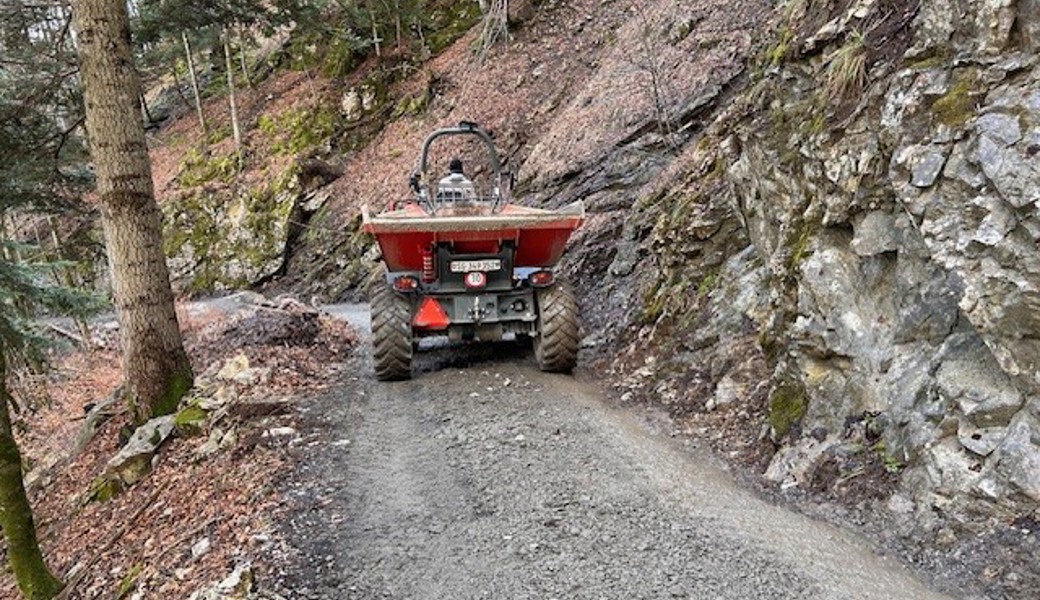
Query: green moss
<point>940,58</point>
<point>449,22</point>
<point>778,51</point>
<point>707,283</point>
<point>787,406</point>
<point>342,54</point>
<point>304,52</point>
<point>218,133</point>
<point>176,388</point>
<point>654,300</point>
<point>412,105</point>
<point>890,463</point>
<point>199,168</point>
<point>190,419</point>
<point>195,227</point>
<point>800,240</point>
<point>770,346</point>
<point>960,103</point>
<point>103,489</point>
<point>682,30</point>
<point>267,125</point>
<point>299,130</point>
<point>128,582</point>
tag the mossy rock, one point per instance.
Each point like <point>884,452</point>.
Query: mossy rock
<point>340,261</point>
<point>799,242</point>
<point>412,105</point>
<point>190,420</point>
<point>961,102</point>
<point>103,489</point>
<point>787,406</point>
<point>300,130</point>
<point>199,168</point>
<point>449,22</point>
<point>226,240</point>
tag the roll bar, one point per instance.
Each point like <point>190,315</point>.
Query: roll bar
<point>464,128</point>
<point>420,179</point>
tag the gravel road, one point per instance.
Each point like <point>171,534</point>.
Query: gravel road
<point>485,478</point>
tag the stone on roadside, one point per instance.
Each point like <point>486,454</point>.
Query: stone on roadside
<point>134,460</point>
<point>238,585</point>
<point>237,370</point>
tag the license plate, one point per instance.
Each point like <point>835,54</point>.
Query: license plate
<point>465,266</point>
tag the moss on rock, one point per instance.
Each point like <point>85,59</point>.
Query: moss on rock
<point>298,130</point>
<point>221,240</point>
<point>190,419</point>
<point>959,104</point>
<point>451,21</point>
<point>176,388</point>
<point>787,406</point>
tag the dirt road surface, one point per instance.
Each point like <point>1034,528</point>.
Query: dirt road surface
<point>485,478</point>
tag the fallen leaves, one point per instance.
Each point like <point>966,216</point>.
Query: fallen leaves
<point>147,541</point>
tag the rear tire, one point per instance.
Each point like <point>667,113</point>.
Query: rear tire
<point>556,345</point>
<point>391,332</point>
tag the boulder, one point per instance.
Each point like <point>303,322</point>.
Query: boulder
<point>134,460</point>
<point>238,585</point>
<point>219,239</point>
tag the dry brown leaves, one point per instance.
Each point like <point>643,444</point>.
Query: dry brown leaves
<point>141,542</point>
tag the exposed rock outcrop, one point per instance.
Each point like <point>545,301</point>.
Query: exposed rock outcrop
<point>901,232</point>
<point>853,219</point>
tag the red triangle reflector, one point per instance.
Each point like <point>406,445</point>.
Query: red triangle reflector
<point>431,316</point>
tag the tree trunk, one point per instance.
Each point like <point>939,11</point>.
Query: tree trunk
<point>154,363</point>
<point>3,237</point>
<point>23,551</point>
<point>496,26</point>
<point>375,32</point>
<point>177,86</point>
<point>242,59</point>
<point>236,132</point>
<point>69,280</point>
<point>397,23</point>
<point>194,85</point>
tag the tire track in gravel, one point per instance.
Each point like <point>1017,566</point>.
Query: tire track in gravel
<point>485,478</point>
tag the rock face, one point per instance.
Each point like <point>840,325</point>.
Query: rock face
<point>846,232</point>
<point>901,232</point>
<point>218,240</point>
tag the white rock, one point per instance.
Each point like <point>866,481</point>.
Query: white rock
<point>200,547</point>
<point>233,367</point>
<point>279,432</point>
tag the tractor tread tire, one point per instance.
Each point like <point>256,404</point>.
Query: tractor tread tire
<point>391,332</point>
<point>556,345</point>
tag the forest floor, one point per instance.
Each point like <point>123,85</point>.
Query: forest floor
<point>210,503</point>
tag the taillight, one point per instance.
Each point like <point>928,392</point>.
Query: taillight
<point>429,265</point>
<point>406,283</point>
<point>476,279</point>
<point>541,278</point>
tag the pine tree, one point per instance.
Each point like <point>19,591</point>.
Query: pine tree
<point>21,295</point>
<point>154,362</point>
<point>16,519</point>
<point>37,173</point>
